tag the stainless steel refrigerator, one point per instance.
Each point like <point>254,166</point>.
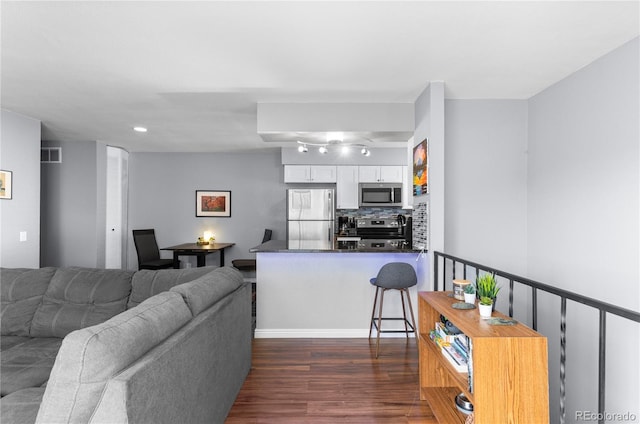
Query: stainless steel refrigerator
<point>310,218</point>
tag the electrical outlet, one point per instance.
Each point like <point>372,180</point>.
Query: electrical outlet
<point>23,236</point>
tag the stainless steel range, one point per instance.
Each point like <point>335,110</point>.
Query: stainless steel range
<point>382,234</point>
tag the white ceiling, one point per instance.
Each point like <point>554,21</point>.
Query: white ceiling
<point>193,72</point>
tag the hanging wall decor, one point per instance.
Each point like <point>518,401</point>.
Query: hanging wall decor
<point>6,184</point>
<point>213,203</point>
<point>421,168</point>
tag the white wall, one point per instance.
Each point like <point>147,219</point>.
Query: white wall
<point>583,214</point>
<point>162,190</point>
<point>486,182</point>
<point>20,153</point>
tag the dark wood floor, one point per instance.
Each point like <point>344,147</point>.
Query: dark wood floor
<point>331,381</point>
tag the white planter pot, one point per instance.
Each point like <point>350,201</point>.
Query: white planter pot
<point>470,298</point>
<point>485,310</point>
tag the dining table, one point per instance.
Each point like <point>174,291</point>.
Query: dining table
<point>200,251</point>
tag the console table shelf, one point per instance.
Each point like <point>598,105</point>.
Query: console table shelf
<point>510,373</point>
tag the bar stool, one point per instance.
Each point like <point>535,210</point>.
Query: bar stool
<point>393,276</point>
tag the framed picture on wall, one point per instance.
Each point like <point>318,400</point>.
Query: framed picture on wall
<point>421,168</point>
<point>6,184</point>
<point>211,203</point>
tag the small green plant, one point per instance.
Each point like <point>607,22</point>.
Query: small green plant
<point>487,286</point>
<point>484,300</point>
<point>470,289</point>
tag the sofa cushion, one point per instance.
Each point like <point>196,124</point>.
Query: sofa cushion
<point>89,357</point>
<point>21,292</point>
<point>21,407</point>
<point>28,364</point>
<point>203,292</point>
<point>80,297</point>
<point>7,342</point>
<point>147,283</point>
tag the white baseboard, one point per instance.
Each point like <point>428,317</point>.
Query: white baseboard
<point>318,333</point>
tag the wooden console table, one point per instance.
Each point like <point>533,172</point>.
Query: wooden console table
<point>510,372</point>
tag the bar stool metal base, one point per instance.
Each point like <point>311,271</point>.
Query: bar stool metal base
<point>376,321</point>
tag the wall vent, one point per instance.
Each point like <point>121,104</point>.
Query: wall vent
<point>51,155</point>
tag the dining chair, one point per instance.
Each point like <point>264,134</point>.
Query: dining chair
<point>249,265</point>
<point>148,252</point>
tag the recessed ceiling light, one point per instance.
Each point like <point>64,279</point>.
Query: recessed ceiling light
<point>140,129</point>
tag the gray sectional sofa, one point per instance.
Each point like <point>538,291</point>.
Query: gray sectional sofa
<point>113,346</point>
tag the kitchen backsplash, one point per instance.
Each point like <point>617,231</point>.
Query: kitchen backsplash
<point>421,226</point>
<point>379,213</point>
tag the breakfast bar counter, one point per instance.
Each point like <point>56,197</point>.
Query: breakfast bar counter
<point>306,291</point>
<point>310,246</point>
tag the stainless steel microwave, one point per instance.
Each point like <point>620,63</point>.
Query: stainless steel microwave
<point>380,194</point>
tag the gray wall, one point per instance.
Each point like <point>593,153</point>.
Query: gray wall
<point>583,214</point>
<point>20,153</point>
<point>162,190</point>
<point>73,206</point>
<point>430,123</point>
<point>486,181</point>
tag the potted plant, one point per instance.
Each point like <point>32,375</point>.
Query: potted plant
<point>487,286</point>
<point>470,294</point>
<point>485,307</point>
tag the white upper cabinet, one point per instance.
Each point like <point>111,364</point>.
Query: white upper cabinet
<point>309,174</point>
<point>381,174</point>
<point>407,188</point>
<point>347,187</point>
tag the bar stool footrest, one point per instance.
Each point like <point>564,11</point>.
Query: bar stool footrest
<point>411,329</point>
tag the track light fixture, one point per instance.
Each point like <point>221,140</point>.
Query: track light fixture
<point>323,148</point>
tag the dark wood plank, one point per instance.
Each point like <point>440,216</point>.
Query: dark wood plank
<point>330,381</point>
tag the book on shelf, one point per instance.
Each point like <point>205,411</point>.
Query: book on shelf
<point>461,347</point>
<point>470,365</point>
<point>458,362</point>
<point>446,335</point>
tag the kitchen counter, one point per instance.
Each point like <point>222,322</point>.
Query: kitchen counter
<point>307,291</point>
<point>310,246</point>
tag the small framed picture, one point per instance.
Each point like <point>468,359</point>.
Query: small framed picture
<point>213,203</point>
<point>421,168</point>
<point>6,184</point>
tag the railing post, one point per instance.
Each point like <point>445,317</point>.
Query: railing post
<point>563,354</point>
<point>601,365</point>
<point>453,273</point>
<point>436,260</point>
<point>534,306</point>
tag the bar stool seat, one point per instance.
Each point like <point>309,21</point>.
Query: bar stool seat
<point>393,276</point>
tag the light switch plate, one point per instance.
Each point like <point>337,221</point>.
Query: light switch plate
<point>23,236</point>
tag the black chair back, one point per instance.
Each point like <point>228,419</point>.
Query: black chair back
<point>146,245</point>
<point>267,236</point>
